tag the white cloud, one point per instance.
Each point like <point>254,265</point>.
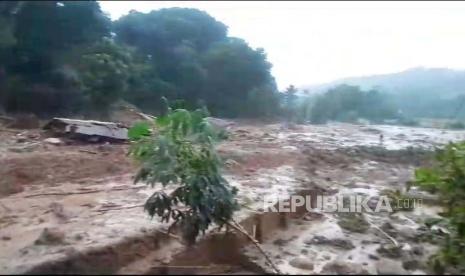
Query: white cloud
<point>313,42</point>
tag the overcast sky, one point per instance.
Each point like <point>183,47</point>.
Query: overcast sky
<point>315,42</point>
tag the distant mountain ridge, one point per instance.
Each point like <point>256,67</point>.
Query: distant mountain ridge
<point>442,82</point>
<point>417,92</point>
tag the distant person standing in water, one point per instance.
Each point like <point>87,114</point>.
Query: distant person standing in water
<point>381,138</point>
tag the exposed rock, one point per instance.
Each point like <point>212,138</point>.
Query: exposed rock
<point>280,242</point>
<point>6,238</point>
<point>418,250</point>
<point>50,236</point>
<point>340,243</point>
<point>21,140</point>
<point>353,222</point>
<point>344,268</point>
<point>409,233</point>
<point>389,267</point>
<point>390,251</point>
<point>302,263</point>
<point>411,264</point>
<point>373,257</point>
<point>289,253</point>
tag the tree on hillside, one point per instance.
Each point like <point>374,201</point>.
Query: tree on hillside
<point>105,69</point>
<point>289,102</point>
<point>43,33</point>
<point>348,103</point>
<point>234,70</point>
<point>62,58</point>
<point>190,52</point>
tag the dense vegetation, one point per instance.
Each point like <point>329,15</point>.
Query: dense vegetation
<point>69,57</point>
<point>417,92</point>
<point>349,103</point>
<point>447,179</point>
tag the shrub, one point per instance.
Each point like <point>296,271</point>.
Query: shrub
<point>447,178</point>
<point>177,150</point>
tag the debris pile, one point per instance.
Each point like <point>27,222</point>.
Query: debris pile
<point>88,130</point>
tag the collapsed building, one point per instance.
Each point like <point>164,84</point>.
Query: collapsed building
<point>87,130</point>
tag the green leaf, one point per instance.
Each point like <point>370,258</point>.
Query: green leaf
<point>139,130</point>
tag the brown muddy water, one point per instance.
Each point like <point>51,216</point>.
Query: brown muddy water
<point>97,224</point>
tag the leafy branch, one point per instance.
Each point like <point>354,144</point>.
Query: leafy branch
<point>447,178</point>
<point>177,150</point>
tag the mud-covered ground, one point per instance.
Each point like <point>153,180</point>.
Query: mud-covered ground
<point>74,208</point>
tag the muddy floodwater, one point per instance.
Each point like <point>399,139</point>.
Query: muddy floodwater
<point>74,209</point>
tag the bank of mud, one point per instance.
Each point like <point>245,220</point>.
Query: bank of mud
<point>101,227</point>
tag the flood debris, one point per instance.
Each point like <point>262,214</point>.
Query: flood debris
<point>87,130</point>
<point>353,222</point>
<point>53,141</point>
<point>339,243</point>
<point>220,123</point>
<point>390,267</point>
<point>22,121</point>
<point>29,147</point>
<point>99,212</point>
<point>302,263</point>
<point>341,267</point>
<point>50,236</point>
<point>390,251</point>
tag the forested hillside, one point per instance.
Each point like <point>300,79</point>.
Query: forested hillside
<point>417,92</point>
<point>65,58</point>
<point>69,59</point>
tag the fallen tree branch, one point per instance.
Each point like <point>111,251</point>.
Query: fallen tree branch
<point>171,236</point>
<point>119,208</point>
<point>240,229</point>
<point>384,233</point>
<point>88,151</point>
<point>145,116</point>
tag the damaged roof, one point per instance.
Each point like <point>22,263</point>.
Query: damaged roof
<point>88,127</point>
